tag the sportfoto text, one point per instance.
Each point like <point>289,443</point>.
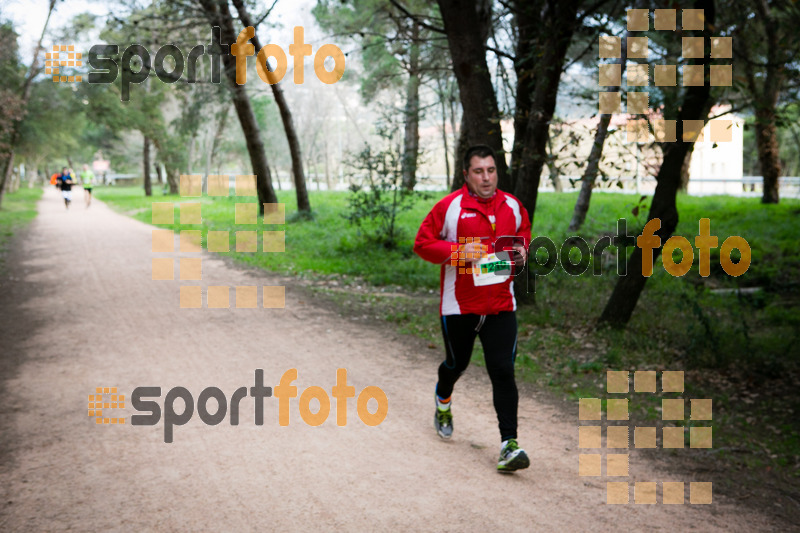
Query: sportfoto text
<point>101,58</point>
<point>648,241</point>
<point>283,392</point>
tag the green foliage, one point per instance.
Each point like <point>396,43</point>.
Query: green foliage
<point>385,37</point>
<point>377,196</point>
<point>369,24</point>
<point>11,79</point>
<point>699,326</point>
<point>324,247</point>
<point>54,125</point>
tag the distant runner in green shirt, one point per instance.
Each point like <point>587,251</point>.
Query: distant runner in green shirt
<point>87,180</point>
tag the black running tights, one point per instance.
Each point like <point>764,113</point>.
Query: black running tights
<point>498,334</point>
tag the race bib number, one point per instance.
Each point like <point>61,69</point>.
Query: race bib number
<point>492,270</point>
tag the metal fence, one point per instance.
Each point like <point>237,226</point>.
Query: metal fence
<point>747,186</point>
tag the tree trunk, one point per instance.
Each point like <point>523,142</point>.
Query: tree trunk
<point>13,183</point>
<point>768,158</point>
<point>442,97</point>
<point>9,167</point>
<point>458,162</point>
<point>173,175</point>
<point>555,175</point>
<point>148,187</point>
<point>303,203</point>
<point>593,164</point>
<point>452,102</point>
<point>590,175</point>
<point>218,14</point>
<point>478,100</point>
<point>223,121</point>
<point>766,102</point>
<point>523,67</point>
<point>695,106</point>
<point>555,33</point>
<point>411,141</point>
<point>159,173</point>
<point>170,166</point>
<point>687,163</point>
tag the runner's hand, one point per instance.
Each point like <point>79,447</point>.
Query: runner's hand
<point>523,253</point>
<point>474,248</point>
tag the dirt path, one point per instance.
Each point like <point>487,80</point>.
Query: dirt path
<point>79,310</point>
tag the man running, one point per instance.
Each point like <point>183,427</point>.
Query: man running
<point>87,181</point>
<point>478,303</point>
<point>64,182</point>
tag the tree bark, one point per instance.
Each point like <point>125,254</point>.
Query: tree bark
<point>523,68</point>
<point>766,102</point>
<point>218,14</point>
<point>8,168</point>
<point>277,178</point>
<point>695,106</point>
<point>478,100</point>
<point>442,97</point>
<point>173,175</point>
<point>171,166</point>
<point>687,164</point>
<point>555,33</point>
<point>303,203</point>
<point>458,162</point>
<point>456,155</point>
<point>148,186</point>
<point>593,164</point>
<point>223,121</point>
<point>555,173</point>
<point>768,153</point>
<point>411,140</point>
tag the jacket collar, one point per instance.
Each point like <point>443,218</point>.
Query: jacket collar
<point>475,202</point>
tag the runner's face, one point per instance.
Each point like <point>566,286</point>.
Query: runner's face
<point>481,177</point>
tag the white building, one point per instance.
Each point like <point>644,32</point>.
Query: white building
<point>717,167</point>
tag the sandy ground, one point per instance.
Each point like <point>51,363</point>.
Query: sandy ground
<point>79,310</point>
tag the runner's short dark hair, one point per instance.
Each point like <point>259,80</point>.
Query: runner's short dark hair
<point>481,150</point>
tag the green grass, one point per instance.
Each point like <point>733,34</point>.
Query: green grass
<point>18,210</point>
<point>326,245</point>
<point>730,346</point>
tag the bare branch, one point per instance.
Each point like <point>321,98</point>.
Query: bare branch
<point>416,18</point>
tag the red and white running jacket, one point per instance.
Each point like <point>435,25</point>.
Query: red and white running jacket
<point>461,214</point>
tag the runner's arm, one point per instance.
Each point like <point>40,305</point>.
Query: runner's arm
<point>524,232</point>
<point>525,227</point>
<point>429,244</point>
